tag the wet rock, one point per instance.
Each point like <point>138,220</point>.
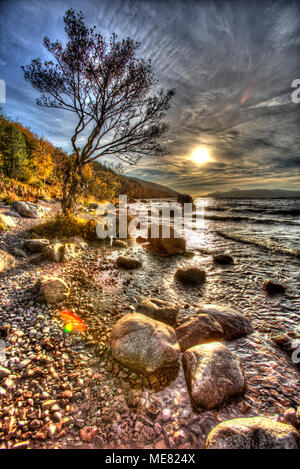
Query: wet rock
<point>213,374</point>
<point>118,243</point>
<point>6,261</point>
<point>290,344</point>
<point>197,331</point>
<point>143,344</point>
<point>51,290</point>
<point>272,288</point>
<point>167,243</point>
<point>252,433</point>
<point>191,276</point>
<point>290,417</point>
<point>159,310</point>
<point>128,262</point>
<point>234,324</point>
<point>35,245</point>
<point>28,209</point>
<point>223,259</point>
<point>141,240</point>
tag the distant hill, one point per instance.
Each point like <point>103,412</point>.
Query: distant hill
<point>254,194</point>
<point>160,190</point>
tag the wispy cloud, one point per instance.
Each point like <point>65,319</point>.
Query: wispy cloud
<point>232,64</point>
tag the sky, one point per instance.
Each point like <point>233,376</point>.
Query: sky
<point>232,65</point>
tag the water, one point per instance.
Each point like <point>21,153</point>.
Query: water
<point>263,238</point>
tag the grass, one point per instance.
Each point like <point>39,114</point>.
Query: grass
<point>66,226</point>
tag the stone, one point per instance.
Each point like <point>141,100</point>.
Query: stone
<point>273,288</point>
<point>290,417</point>
<point>191,275</point>
<point>87,433</point>
<point>168,246</point>
<point>7,261</point>
<point>223,259</point>
<point>4,372</point>
<point>51,290</point>
<point>19,253</point>
<point>234,324</point>
<point>184,199</point>
<point>7,221</point>
<point>197,331</point>
<point>79,241</point>
<point>118,243</point>
<point>253,433</point>
<point>143,344</point>
<point>54,252</point>
<point>28,209</point>
<point>35,245</point>
<point>159,310</point>
<point>213,374</point>
<point>70,251</point>
<point>128,262</point>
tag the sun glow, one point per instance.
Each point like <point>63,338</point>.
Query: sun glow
<point>201,155</point>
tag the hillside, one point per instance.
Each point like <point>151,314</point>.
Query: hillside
<point>162,191</point>
<point>255,194</point>
<point>31,167</point>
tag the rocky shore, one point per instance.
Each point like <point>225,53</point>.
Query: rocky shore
<point>120,383</point>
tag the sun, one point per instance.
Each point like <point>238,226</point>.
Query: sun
<point>201,155</point>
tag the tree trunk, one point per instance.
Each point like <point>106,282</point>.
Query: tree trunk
<point>71,189</point>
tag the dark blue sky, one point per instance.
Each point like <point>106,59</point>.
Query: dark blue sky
<point>231,63</point>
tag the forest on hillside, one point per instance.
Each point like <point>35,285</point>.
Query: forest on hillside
<point>32,167</point>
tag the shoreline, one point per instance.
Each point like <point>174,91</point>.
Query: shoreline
<point>100,403</point>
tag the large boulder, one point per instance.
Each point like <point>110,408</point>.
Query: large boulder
<point>128,262</point>
<point>197,331</point>
<point>213,374</point>
<point>35,245</point>
<point>190,275</point>
<point>143,344</point>
<point>167,246</point>
<point>28,209</point>
<point>159,310</point>
<point>51,290</point>
<point>234,324</point>
<point>253,433</point>
<point>6,260</point>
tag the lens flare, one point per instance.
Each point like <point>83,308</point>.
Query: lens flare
<point>72,322</point>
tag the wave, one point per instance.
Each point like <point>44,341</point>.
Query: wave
<point>266,245</point>
<point>293,212</point>
<point>241,218</point>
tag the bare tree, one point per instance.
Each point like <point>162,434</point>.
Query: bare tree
<point>107,88</point>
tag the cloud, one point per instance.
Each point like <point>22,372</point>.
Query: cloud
<point>231,63</point>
